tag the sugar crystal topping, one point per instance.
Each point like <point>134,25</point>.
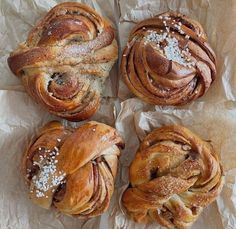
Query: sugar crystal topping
<point>47,177</point>
<point>171,49</point>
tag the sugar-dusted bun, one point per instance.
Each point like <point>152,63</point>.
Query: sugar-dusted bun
<point>168,61</point>
<point>173,177</point>
<point>65,60</point>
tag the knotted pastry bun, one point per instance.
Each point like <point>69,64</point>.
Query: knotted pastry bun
<point>73,170</point>
<point>173,176</point>
<point>168,61</point>
<point>65,60</point>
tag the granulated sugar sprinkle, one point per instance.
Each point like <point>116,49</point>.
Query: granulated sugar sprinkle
<point>47,178</point>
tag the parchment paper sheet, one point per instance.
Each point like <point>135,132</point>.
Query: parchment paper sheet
<point>217,17</point>
<point>20,120</point>
<point>212,116</point>
<point>215,123</point>
<point>20,117</point>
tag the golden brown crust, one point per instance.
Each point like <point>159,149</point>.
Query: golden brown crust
<point>73,169</point>
<point>173,176</point>
<point>158,72</point>
<point>65,60</point>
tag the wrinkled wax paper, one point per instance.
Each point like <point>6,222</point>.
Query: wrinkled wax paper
<point>212,117</point>
<point>20,118</point>
<point>215,123</point>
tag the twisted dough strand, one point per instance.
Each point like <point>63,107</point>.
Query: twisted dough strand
<point>65,60</point>
<point>168,61</point>
<point>173,177</point>
<point>73,170</point>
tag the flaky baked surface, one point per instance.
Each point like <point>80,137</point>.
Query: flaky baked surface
<point>73,170</point>
<point>173,176</point>
<point>167,60</point>
<point>66,58</point>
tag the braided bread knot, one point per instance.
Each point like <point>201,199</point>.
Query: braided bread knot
<point>168,61</point>
<point>66,59</point>
<point>73,170</point>
<point>173,177</point>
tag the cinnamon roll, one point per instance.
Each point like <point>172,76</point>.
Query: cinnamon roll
<point>168,61</point>
<point>66,58</point>
<point>173,177</point>
<point>73,170</point>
